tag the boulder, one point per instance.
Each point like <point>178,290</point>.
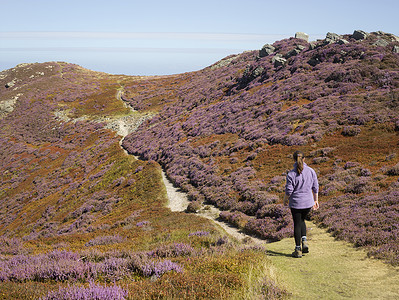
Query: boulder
<point>278,60</point>
<point>395,49</point>
<point>302,36</point>
<point>10,84</point>
<point>342,41</point>
<point>266,50</point>
<point>360,35</point>
<point>293,52</point>
<point>313,61</point>
<point>390,36</point>
<point>381,43</point>
<point>300,47</point>
<point>332,38</point>
<point>312,45</point>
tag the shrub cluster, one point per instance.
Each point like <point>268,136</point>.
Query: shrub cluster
<point>94,291</point>
<point>370,220</point>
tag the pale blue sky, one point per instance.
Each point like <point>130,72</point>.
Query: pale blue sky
<point>166,37</point>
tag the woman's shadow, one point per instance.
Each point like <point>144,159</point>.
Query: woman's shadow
<point>275,253</point>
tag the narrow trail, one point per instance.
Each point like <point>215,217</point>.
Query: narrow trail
<point>332,270</point>
<point>178,201</point>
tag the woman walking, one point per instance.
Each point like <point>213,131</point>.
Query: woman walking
<point>301,190</point>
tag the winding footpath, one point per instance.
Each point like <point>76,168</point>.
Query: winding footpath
<point>178,200</point>
<point>332,270</point>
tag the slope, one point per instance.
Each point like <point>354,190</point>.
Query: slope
<point>225,134</point>
<point>77,215</point>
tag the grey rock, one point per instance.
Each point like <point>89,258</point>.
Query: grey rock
<point>293,52</point>
<point>395,49</point>
<point>266,50</point>
<point>258,71</point>
<point>381,43</point>
<point>332,38</point>
<point>10,84</point>
<point>223,63</point>
<point>313,61</point>
<point>390,36</point>
<point>278,60</point>
<point>342,41</point>
<point>302,36</point>
<point>300,47</point>
<point>7,106</point>
<point>360,35</point>
<point>312,45</point>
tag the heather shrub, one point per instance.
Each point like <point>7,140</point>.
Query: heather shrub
<point>94,291</point>
<point>393,171</point>
<point>330,187</point>
<point>64,265</point>
<point>319,160</point>
<point>351,164</point>
<point>194,206</point>
<point>272,291</point>
<point>388,252</point>
<point>236,218</point>
<point>273,222</point>
<point>322,152</point>
<point>360,185</point>
<point>199,233</point>
<point>11,246</point>
<point>351,130</point>
<point>369,220</point>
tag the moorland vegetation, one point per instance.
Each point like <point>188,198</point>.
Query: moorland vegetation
<point>80,217</point>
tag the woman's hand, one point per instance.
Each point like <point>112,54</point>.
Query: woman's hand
<point>316,205</point>
<point>285,201</point>
<point>316,201</point>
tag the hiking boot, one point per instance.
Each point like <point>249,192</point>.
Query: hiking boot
<point>305,247</point>
<point>297,253</point>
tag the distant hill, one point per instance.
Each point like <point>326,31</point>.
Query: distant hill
<point>224,135</point>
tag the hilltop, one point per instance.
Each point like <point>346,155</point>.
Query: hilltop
<point>224,135</point>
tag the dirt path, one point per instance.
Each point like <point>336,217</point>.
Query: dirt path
<point>177,199</point>
<point>178,202</point>
<point>332,270</point>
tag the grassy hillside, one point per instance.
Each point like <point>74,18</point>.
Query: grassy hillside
<point>225,135</point>
<point>77,213</point>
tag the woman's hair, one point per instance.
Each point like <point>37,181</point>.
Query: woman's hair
<point>298,157</point>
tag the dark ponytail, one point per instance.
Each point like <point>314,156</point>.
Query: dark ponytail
<point>298,157</point>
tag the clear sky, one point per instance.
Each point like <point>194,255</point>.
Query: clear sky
<point>156,37</point>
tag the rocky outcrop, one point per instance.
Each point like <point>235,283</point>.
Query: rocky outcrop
<point>381,43</point>
<point>388,36</point>
<point>266,50</point>
<point>302,36</point>
<point>295,51</point>
<point>278,60</point>
<point>10,84</point>
<point>360,35</point>
<point>332,38</point>
<point>7,106</point>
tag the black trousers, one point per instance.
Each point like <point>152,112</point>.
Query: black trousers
<point>299,215</point>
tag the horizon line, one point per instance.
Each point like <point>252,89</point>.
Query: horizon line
<point>145,35</point>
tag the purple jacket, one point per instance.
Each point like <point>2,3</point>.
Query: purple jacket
<point>299,188</point>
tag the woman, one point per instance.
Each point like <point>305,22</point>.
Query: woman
<point>302,190</point>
